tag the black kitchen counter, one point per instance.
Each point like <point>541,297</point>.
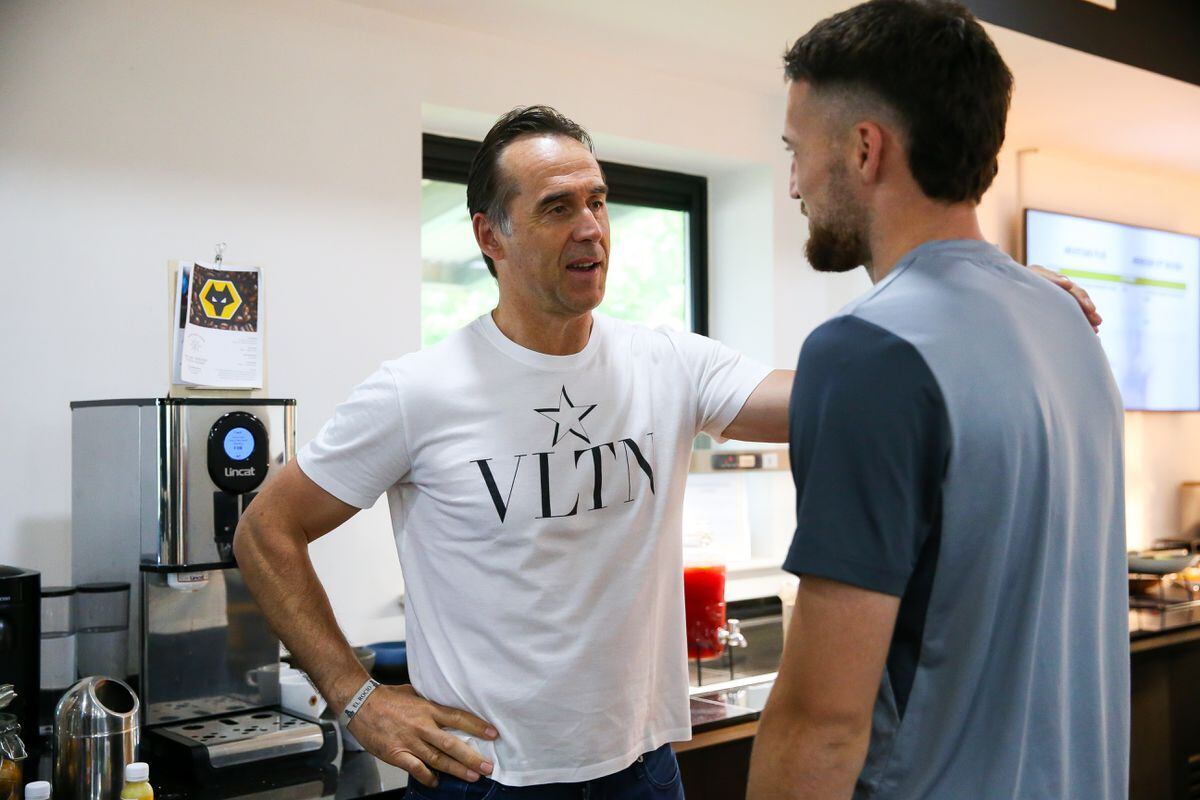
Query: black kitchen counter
<point>734,706</point>
<point>1168,636</point>
<point>361,775</point>
<point>351,776</point>
<point>710,715</point>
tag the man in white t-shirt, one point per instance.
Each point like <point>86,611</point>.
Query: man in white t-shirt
<point>534,464</point>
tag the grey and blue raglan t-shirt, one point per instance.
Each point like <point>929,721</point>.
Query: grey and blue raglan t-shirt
<point>956,441</point>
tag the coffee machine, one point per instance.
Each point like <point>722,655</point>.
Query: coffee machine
<point>20,632</point>
<point>158,486</point>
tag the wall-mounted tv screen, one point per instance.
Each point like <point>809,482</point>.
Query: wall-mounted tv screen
<point>1146,284</point>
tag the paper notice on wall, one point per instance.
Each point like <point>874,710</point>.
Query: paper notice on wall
<point>714,505</point>
<point>218,343</point>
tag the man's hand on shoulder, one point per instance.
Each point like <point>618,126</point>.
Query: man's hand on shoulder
<point>407,731</point>
<point>1075,290</point>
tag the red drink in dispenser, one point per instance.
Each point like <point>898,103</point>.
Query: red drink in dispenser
<point>704,608</point>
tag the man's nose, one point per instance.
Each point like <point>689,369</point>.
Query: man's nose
<point>588,228</point>
<point>793,189</point>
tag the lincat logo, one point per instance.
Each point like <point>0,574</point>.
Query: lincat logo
<point>248,472</point>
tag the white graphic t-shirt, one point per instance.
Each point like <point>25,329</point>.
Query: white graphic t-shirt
<point>536,503</point>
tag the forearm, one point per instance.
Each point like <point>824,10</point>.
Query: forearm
<point>795,759</point>
<point>280,575</point>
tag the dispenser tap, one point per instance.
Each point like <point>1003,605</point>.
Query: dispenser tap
<point>733,634</point>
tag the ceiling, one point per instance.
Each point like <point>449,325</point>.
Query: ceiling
<point>1064,98</point>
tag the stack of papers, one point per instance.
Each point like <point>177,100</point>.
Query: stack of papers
<point>218,335</point>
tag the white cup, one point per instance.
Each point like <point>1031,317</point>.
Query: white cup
<point>297,696</point>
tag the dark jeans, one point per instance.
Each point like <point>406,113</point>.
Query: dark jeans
<point>654,776</point>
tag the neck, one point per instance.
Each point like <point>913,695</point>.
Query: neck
<point>918,221</point>
<point>551,334</point>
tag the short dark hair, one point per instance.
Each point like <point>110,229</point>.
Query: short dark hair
<point>489,190</point>
<point>935,66</point>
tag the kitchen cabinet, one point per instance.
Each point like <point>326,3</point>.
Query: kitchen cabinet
<point>715,764</point>
<point>1164,759</point>
<point>717,771</point>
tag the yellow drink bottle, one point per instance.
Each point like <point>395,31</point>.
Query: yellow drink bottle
<point>137,782</point>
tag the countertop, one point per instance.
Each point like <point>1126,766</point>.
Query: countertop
<point>1143,640</point>
<point>719,712</point>
<point>361,775</point>
<point>735,704</point>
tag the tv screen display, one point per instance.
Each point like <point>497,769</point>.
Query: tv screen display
<point>1146,284</point>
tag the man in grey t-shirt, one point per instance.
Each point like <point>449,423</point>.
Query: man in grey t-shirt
<point>961,623</point>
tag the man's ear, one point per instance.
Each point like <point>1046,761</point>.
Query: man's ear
<point>487,237</point>
<point>868,151</point>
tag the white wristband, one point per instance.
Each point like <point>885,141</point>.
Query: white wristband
<point>359,698</point>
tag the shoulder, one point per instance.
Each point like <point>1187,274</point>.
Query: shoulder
<point>614,329</point>
<point>851,341</point>
<point>645,342</point>
<point>437,361</point>
<point>855,356</point>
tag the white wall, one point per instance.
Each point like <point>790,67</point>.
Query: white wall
<point>146,130</point>
<point>140,131</point>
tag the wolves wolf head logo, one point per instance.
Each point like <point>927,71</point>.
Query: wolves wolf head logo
<point>220,300</point>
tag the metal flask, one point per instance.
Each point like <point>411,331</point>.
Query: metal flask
<point>96,733</point>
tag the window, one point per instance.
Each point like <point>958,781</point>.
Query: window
<point>658,272</point>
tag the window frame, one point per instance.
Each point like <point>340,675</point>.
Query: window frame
<point>444,158</point>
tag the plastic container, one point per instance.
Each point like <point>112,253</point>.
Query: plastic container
<point>137,782</point>
<point>703,597</point>
<point>102,631</point>
<point>38,790</point>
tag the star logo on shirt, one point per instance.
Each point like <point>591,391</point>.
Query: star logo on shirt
<point>567,418</point>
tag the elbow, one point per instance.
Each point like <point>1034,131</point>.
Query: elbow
<point>850,741</point>
<point>840,733</point>
<point>264,536</point>
<point>247,539</point>
<point>241,540</point>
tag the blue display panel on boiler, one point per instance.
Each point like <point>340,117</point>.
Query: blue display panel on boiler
<point>239,444</point>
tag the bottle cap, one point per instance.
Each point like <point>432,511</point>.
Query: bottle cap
<point>38,790</point>
<point>137,772</point>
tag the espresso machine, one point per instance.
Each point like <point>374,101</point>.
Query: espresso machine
<point>20,628</point>
<point>158,486</point>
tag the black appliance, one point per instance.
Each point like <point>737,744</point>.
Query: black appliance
<point>21,642</point>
